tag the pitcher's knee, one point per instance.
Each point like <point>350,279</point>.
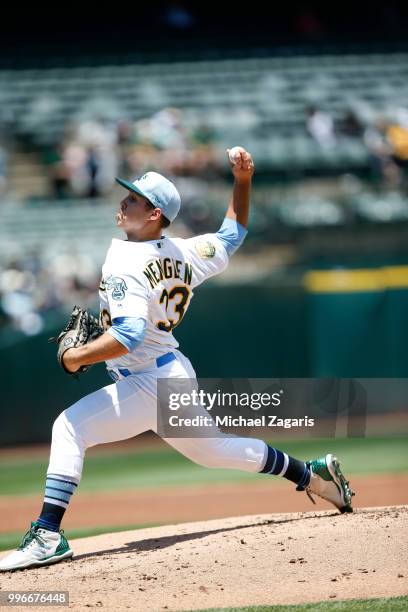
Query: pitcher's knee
<point>211,453</point>
<point>67,449</point>
<point>64,434</point>
<point>228,452</point>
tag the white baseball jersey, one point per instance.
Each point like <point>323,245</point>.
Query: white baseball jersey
<point>154,280</point>
<point>151,280</point>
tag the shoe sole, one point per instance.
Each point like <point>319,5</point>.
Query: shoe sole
<point>333,465</point>
<point>50,561</point>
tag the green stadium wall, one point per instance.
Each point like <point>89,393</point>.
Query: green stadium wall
<point>322,327</point>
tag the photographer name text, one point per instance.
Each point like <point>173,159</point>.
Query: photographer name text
<point>270,420</point>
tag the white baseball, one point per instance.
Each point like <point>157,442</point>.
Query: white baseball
<point>235,154</point>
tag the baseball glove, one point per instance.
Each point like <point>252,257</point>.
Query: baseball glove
<point>81,329</point>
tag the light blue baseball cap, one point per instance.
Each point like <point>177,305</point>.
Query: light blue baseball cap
<point>158,190</point>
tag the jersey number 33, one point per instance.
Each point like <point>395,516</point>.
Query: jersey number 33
<point>175,303</point>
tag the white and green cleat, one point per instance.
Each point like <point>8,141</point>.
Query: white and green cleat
<point>38,547</point>
<point>328,482</point>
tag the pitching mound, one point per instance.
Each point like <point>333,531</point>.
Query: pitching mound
<point>267,559</point>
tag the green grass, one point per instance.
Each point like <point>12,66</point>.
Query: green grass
<point>11,540</point>
<point>167,468</point>
<point>351,605</point>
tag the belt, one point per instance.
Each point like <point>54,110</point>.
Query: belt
<point>160,361</point>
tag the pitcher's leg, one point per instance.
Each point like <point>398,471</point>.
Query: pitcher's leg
<point>116,412</point>
<point>321,476</point>
<point>247,454</point>
<point>218,450</point>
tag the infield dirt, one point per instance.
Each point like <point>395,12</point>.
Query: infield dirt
<point>249,560</point>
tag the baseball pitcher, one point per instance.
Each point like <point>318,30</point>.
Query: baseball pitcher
<point>148,282</point>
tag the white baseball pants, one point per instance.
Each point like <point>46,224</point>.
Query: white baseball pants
<point>129,407</point>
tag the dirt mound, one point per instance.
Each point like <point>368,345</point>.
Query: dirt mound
<point>264,559</point>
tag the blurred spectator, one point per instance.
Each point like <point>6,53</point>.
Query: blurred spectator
<point>167,130</point>
<point>164,142</point>
<point>380,153</point>
<point>58,171</point>
<point>397,136</point>
<point>320,127</point>
<point>92,171</point>
<point>204,158</point>
<point>125,132</point>
<point>85,162</point>
<point>31,286</point>
<point>98,138</point>
<point>17,287</point>
<point>126,140</point>
<point>350,125</point>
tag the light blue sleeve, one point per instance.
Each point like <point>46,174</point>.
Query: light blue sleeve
<point>129,331</point>
<point>231,234</point>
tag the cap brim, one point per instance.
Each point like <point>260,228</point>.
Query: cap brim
<point>130,186</point>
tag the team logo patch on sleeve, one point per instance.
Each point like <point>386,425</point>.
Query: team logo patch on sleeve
<point>118,287</point>
<point>205,249</point>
